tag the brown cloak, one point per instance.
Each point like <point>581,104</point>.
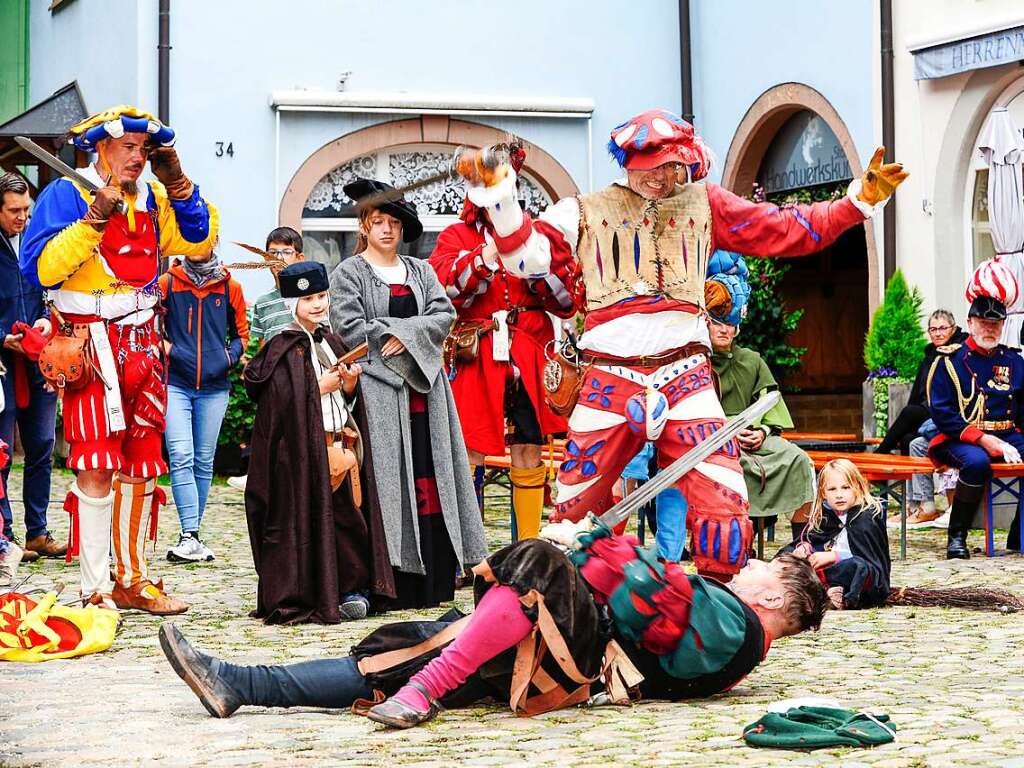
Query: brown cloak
<point>310,546</point>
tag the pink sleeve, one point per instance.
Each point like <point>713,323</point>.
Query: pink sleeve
<point>765,229</point>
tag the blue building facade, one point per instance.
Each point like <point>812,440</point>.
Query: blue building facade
<point>254,89</point>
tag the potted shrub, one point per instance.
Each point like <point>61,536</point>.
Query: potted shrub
<point>893,350</point>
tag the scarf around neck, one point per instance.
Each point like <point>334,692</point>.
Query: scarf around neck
<point>202,272</point>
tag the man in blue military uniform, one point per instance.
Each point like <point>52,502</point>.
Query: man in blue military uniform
<point>973,394</point>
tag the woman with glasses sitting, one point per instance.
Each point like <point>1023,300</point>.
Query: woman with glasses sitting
<point>942,331</point>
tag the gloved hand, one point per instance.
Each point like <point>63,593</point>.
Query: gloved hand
<point>564,533</point>
<point>167,168</point>
<point>717,300</point>
<point>731,307</point>
<point>106,201</point>
<point>880,181</point>
<point>1010,454</point>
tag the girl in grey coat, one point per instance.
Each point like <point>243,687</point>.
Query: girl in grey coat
<point>396,304</point>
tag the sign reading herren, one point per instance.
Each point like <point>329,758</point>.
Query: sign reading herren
<point>804,153</point>
<point>1003,47</point>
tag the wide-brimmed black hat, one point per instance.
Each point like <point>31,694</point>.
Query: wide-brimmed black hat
<point>303,278</point>
<point>987,308</point>
<point>401,209</point>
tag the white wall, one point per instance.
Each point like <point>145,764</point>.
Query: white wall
<point>936,125</point>
<point>743,48</point>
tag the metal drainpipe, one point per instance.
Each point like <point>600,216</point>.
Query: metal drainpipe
<point>164,63</point>
<point>888,136</point>
<point>685,62</point>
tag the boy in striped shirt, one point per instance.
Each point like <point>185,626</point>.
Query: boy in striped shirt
<point>269,313</point>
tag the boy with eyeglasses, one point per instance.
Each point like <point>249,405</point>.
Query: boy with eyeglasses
<point>269,314</point>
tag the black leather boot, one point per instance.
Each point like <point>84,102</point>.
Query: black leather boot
<point>961,515</point>
<point>1013,537</point>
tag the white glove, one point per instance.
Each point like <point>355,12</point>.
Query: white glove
<point>1010,454</point>
<point>565,532</point>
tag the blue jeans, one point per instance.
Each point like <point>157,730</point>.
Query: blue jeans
<point>330,683</point>
<point>193,425</point>
<point>671,516</point>
<point>35,424</point>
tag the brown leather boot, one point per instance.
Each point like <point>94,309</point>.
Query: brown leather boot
<point>149,597</point>
<point>46,546</point>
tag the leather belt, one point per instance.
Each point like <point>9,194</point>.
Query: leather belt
<point>345,439</point>
<point>663,358</point>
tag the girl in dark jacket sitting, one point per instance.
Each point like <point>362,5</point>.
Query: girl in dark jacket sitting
<point>942,331</point>
<point>845,539</point>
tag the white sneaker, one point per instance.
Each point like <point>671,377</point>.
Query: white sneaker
<point>940,522</point>
<point>189,549</point>
<point>238,482</point>
<point>9,564</point>
<point>207,552</point>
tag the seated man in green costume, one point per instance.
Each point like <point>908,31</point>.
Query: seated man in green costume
<point>779,476</point>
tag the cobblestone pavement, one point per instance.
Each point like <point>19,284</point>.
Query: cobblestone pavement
<point>950,679</point>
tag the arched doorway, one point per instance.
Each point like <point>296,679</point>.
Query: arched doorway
<point>399,153</point>
<point>793,143</point>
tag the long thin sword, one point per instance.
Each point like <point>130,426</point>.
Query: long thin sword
<point>52,161</point>
<point>689,460</point>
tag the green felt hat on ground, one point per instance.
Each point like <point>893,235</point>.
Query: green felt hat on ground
<point>816,727</point>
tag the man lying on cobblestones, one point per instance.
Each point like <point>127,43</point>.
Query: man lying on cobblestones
<point>549,631</point>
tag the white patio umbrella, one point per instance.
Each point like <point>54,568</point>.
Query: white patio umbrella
<point>1002,146</point>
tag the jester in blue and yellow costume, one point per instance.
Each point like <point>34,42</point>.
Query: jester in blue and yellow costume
<point>98,256</point>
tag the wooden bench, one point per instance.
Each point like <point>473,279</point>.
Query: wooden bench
<point>822,437</point>
<point>891,472</point>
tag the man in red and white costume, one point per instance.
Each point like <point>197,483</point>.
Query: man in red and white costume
<point>98,255</point>
<point>639,248</point>
<point>505,379</point>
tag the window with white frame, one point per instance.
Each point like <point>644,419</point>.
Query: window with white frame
<point>329,224</point>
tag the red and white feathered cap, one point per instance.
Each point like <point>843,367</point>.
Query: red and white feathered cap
<point>992,283</point>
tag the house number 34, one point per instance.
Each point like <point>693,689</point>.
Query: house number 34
<point>225,148</point>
